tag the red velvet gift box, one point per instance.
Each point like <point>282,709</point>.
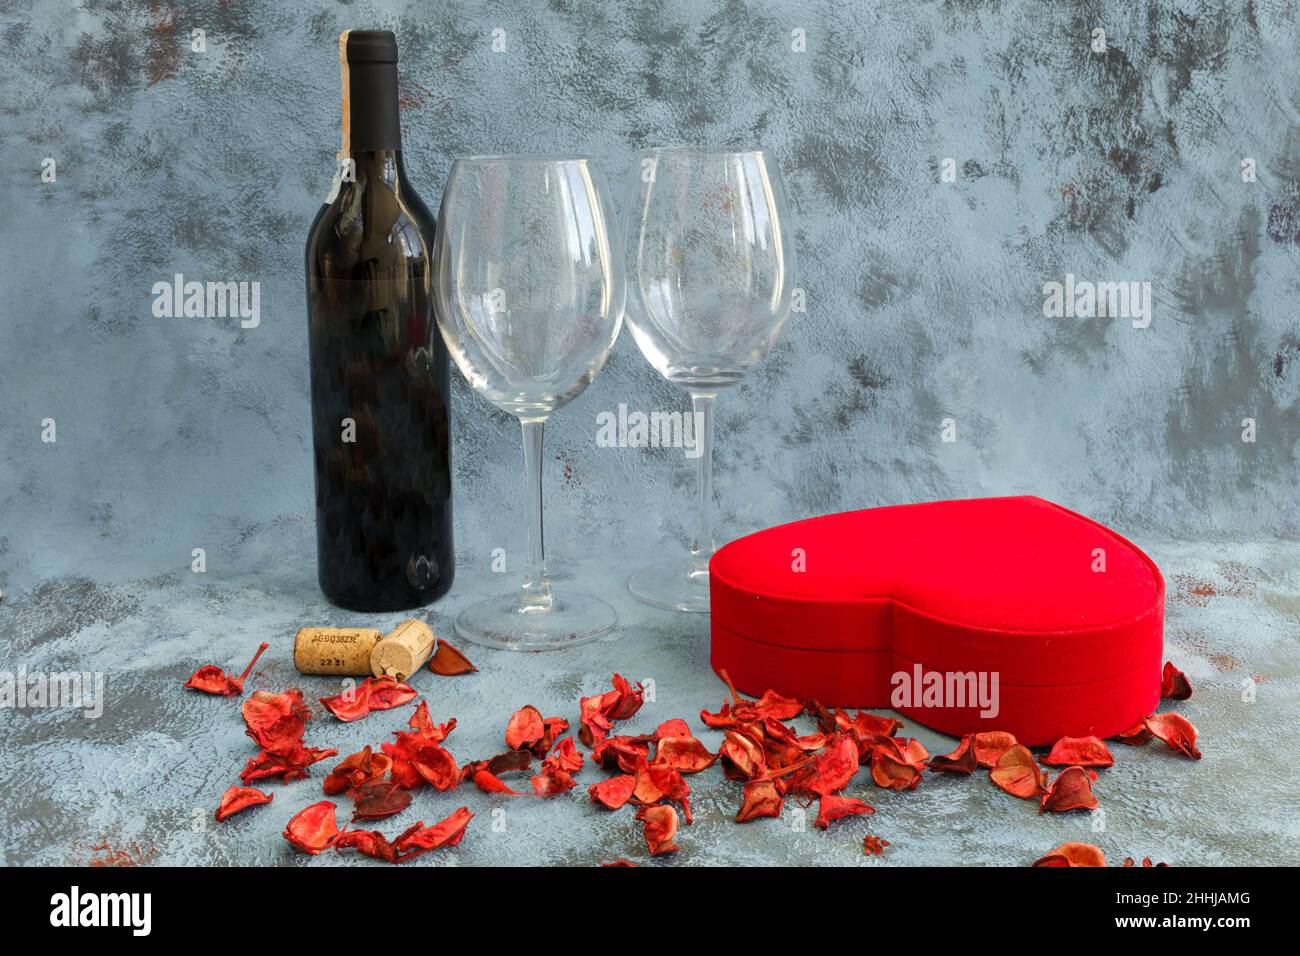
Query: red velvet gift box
<point>985,614</point>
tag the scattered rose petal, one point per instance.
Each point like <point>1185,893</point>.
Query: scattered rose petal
<point>313,828</point>
<point>449,662</point>
<point>524,728</point>
<point>1176,731</point>
<point>237,799</point>
<point>761,799</point>
<point>377,799</point>
<point>211,679</point>
<point>1136,735</point>
<point>421,839</point>
<point>685,753</point>
<point>1174,684</point>
<point>660,824</point>
<point>1079,752</point>
<point>372,694</point>
<point>614,792</point>
<point>1073,854</point>
<point>961,760</point>
<point>1071,790</point>
<point>1018,774</point>
<point>833,807</point>
<point>356,769</point>
<point>990,745</point>
<point>597,714</point>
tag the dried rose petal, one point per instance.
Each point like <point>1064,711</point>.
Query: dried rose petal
<point>414,753</point>
<point>660,828</point>
<point>990,745</point>
<point>676,727</point>
<point>313,828</point>
<point>597,714</point>
<point>1174,684</point>
<point>833,807</point>
<point>1146,862</point>
<point>742,758</point>
<point>374,693</point>
<point>874,845</point>
<point>421,839</point>
<point>1073,854</point>
<point>1176,731</point>
<point>619,862</point>
<point>961,760</point>
<point>287,766</point>
<point>436,767</point>
<point>1071,790</point>
<point>620,752</point>
<point>489,782</point>
<point>686,753</point>
<point>1079,752</point>
<point>370,842</point>
<point>524,728</point>
<point>614,792</point>
<point>761,799</point>
<point>275,721</point>
<point>865,724</point>
<point>356,769</point>
<point>1018,774</point>
<point>552,782</point>
<point>1136,735</point>
<point>893,773</point>
<point>378,799</point>
<point>240,798</point>
<point>211,679</point>
<point>835,766</point>
<point>389,692</point>
<point>449,662</point>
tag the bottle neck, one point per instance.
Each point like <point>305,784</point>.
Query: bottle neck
<point>370,115</point>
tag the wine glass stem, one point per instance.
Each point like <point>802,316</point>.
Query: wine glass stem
<point>702,411</point>
<point>536,595</point>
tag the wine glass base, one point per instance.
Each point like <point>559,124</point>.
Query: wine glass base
<point>501,622</point>
<point>677,585</point>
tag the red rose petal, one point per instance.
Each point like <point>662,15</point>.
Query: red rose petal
<point>1073,854</point>
<point>833,807</point>
<point>1018,774</point>
<point>449,662</point>
<point>1079,752</point>
<point>660,826</point>
<point>1071,790</point>
<point>1176,731</point>
<point>313,828</point>
<point>1174,684</point>
<point>240,798</point>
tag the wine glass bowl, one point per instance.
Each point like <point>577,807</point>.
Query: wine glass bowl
<point>709,263</point>
<point>711,267</point>
<point>530,285</point>
<point>531,290</point>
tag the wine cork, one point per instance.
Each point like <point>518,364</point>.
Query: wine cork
<point>403,651</point>
<point>334,650</point>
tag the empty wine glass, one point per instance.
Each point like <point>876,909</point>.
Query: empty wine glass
<point>530,285</point>
<point>711,265</point>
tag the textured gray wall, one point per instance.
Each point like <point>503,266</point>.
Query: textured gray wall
<point>924,297</point>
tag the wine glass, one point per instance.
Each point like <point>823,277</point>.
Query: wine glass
<point>529,273</point>
<point>710,260</point>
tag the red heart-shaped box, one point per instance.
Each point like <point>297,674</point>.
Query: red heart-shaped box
<point>912,606</point>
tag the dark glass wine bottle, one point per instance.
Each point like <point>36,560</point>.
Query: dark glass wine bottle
<point>380,394</point>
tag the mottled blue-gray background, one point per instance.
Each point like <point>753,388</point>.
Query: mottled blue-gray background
<point>924,302</point>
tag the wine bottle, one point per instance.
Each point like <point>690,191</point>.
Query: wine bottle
<point>380,394</point>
